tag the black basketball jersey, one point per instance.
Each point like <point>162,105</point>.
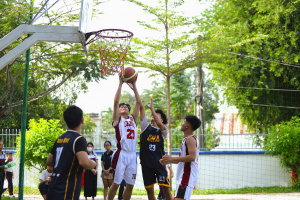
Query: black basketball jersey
<point>151,147</point>
<point>67,173</point>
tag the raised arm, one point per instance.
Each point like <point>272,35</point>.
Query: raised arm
<point>116,115</point>
<point>157,120</point>
<point>138,100</point>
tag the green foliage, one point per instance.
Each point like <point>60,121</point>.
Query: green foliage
<point>107,118</point>
<point>284,141</point>
<point>39,141</point>
<point>89,124</point>
<point>57,73</point>
<point>211,137</point>
<point>248,45</point>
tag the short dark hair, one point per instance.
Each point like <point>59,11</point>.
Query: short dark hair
<point>90,143</point>
<point>193,121</point>
<point>121,104</point>
<point>108,142</point>
<point>163,115</point>
<point>73,116</point>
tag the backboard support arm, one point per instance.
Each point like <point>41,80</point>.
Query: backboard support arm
<point>38,33</point>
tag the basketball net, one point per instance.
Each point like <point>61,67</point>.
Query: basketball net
<point>113,47</point>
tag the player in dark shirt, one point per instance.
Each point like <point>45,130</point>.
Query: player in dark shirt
<point>68,158</point>
<point>152,149</point>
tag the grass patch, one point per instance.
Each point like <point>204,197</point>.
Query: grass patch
<point>221,191</point>
<point>8,198</point>
<point>247,190</point>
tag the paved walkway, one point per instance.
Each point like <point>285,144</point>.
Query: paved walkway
<point>258,196</point>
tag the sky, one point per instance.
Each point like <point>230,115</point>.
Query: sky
<point>122,15</point>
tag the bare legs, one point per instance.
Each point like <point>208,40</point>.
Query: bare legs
<point>167,192</point>
<point>150,193</point>
<point>107,184</point>
<point>112,191</point>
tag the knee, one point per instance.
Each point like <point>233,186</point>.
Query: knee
<point>150,190</point>
<point>129,186</point>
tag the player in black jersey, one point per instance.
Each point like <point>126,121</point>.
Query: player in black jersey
<point>68,158</point>
<point>152,149</point>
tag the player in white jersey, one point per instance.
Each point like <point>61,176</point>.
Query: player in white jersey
<point>124,160</point>
<point>187,169</point>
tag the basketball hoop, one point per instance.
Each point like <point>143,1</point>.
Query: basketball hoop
<point>113,47</point>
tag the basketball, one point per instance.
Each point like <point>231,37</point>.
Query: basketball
<point>130,75</point>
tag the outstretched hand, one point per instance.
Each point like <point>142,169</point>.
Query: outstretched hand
<point>150,105</point>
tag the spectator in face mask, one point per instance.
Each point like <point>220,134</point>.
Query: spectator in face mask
<point>90,176</point>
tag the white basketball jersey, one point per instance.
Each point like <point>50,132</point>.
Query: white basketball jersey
<point>126,134</point>
<point>187,172</point>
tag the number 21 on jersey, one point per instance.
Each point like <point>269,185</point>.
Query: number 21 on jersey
<point>130,134</point>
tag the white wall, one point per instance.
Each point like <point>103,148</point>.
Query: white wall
<point>215,171</point>
<point>231,171</point>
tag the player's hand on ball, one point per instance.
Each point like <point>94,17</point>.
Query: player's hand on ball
<point>133,84</point>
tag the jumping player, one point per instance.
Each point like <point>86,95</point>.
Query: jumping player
<point>124,158</point>
<point>187,169</point>
<point>69,157</point>
<point>152,148</point>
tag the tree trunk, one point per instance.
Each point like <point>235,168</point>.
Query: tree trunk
<point>169,123</point>
<point>199,102</point>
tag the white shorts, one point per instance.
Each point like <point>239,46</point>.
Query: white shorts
<point>125,167</point>
<point>183,193</point>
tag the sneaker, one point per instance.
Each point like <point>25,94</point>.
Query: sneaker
<point>12,196</point>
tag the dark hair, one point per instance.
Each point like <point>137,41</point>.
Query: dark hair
<point>108,142</point>
<point>90,144</point>
<point>121,104</point>
<point>73,116</point>
<point>193,121</point>
<point>163,115</point>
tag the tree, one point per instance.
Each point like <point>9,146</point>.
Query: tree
<point>257,60</point>
<point>40,139</point>
<point>168,54</point>
<point>52,66</point>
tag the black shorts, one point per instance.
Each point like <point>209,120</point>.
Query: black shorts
<point>153,175</point>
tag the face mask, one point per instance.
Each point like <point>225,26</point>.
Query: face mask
<point>90,148</point>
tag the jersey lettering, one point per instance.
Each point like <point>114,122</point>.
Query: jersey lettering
<point>58,153</point>
<point>129,123</point>
<point>153,138</point>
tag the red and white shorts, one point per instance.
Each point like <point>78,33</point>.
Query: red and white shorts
<point>125,166</point>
